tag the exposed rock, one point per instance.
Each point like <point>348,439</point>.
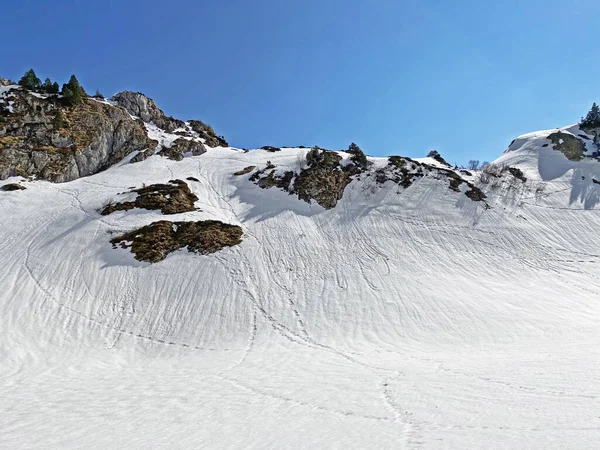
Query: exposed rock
<point>155,241</point>
<point>325,180</point>
<point>517,173</point>
<point>572,147</point>
<point>172,198</point>
<point>455,183</point>
<point>181,146</point>
<point>95,137</point>
<point>208,134</point>
<point>245,170</point>
<point>137,104</point>
<point>12,187</point>
<point>270,148</point>
<point>142,156</point>
<point>402,171</point>
<point>474,193</point>
<point>5,82</point>
<point>436,155</point>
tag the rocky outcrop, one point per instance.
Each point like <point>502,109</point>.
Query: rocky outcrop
<point>137,104</point>
<point>88,138</point>
<point>172,198</point>
<point>244,171</point>
<point>12,187</point>
<point>154,242</point>
<point>323,181</point>
<point>208,134</point>
<point>181,146</point>
<point>5,82</point>
<point>572,147</point>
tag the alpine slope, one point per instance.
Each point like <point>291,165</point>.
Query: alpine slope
<point>403,317</point>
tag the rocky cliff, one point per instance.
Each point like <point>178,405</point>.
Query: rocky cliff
<point>42,137</point>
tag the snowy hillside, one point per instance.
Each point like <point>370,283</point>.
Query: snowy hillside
<point>411,314</point>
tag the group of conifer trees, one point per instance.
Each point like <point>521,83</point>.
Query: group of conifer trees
<point>72,92</point>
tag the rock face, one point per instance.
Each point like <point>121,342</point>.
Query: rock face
<point>92,137</point>
<point>137,104</point>
<point>208,134</point>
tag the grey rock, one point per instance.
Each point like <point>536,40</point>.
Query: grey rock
<point>208,134</point>
<point>137,104</point>
<point>97,136</point>
<point>181,146</point>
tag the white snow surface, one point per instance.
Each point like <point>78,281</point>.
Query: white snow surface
<point>401,318</point>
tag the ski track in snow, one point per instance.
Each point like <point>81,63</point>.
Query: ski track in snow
<point>402,318</point>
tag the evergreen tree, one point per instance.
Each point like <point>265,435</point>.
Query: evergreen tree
<point>72,92</point>
<point>30,80</point>
<point>49,87</point>
<point>592,119</point>
<point>58,121</point>
<point>358,156</point>
<point>98,94</point>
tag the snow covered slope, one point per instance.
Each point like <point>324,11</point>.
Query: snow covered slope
<point>401,318</point>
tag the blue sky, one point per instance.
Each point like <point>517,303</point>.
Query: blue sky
<point>396,77</point>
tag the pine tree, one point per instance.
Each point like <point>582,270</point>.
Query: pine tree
<point>358,156</point>
<point>98,94</point>
<point>592,119</point>
<point>30,80</point>
<point>49,87</point>
<point>72,92</point>
<point>58,121</point>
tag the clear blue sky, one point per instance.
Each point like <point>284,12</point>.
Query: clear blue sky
<point>396,77</point>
